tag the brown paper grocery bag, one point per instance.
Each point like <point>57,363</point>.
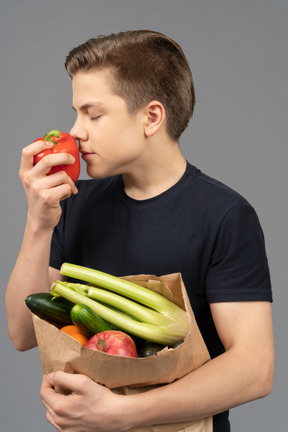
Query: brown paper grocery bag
<point>59,351</point>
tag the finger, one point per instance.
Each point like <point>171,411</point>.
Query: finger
<point>57,179</point>
<point>76,383</point>
<point>28,153</point>
<point>51,420</point>
<point>50,415</point>
<point>47,394</point>
<point>57,194</point>
<point>51,400</point>
<point>53,160</point>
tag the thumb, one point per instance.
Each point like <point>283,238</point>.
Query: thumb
<point>50,378</point>
<point>71,382</point>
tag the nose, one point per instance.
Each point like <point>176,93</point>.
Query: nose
<point>78,132</point>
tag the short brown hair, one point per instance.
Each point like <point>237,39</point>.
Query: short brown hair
<point>146,66</point>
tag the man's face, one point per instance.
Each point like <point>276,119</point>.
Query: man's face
<point>110,139</point>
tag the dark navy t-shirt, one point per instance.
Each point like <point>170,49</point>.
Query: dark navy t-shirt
<point>199,227</point>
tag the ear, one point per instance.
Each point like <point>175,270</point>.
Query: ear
<point>155,115</point>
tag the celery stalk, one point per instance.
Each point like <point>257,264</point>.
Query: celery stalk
<point>167,334</point>
<point>126,288</point>
<point>136,310</point>
<point>162,320</point>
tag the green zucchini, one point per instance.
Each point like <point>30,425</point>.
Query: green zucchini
<point>55,310</point>
<point>150,349</point>
<point>88,321</point>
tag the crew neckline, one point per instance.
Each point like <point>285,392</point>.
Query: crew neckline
<point>169,193</point>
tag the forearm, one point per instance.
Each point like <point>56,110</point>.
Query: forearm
<point>222,383</point>
<point>30,275</point>
<point>31,271</point>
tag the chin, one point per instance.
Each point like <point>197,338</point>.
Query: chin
<point>96,174</point>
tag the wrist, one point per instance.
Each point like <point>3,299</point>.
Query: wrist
<point>38,227</point>
<point>37,237</point>
<point>130,411</point>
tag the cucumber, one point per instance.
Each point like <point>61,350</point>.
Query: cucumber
<point>88,322</point>
<point>55,310</point>
<point>150,349</point>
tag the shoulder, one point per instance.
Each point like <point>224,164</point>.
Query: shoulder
<point>211,186</point>
<point>212,197</point>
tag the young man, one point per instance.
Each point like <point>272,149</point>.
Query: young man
<point>145,210</point>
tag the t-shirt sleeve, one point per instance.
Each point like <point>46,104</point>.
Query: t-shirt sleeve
<point>239,270</point>
<point>57,256</point>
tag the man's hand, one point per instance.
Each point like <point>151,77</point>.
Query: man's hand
<point>43,192</point>
<point>86,405</point>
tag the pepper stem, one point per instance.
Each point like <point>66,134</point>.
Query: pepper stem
<point>53,133</point>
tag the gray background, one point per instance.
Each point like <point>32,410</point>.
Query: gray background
<point>238,54</point>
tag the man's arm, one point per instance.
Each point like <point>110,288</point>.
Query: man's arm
<point>243,373</point>
<point>31,272</point>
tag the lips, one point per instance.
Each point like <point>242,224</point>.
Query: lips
<point>86,155</point>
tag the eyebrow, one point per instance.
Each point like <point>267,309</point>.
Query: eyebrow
<point>86,106</point>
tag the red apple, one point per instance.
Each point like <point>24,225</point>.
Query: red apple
<point>113,342</point>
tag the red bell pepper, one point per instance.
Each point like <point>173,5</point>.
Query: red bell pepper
<point>63,143</point>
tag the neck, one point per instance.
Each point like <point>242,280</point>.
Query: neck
<point>157,173</point>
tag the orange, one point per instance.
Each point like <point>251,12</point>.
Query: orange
<point>70,329</point>
<point>74,332</point>
<point>80,338</point>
